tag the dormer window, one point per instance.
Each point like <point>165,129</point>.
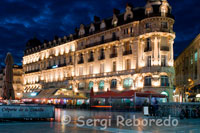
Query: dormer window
<point>103,25</point>
<point>92,28</point>
<point>148,9</point>
<point>128,14</point>
<point>164,8</point>
<point>115,20</point>
<point>82,30</point>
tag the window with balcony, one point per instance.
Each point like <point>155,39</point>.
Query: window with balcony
<point>101,85</point>
<point>128,64</point>
<point>149,61</point>
<point>80,59</point>
<point>128,82</point>
<point>113,84</point>
<point>147,81</point>
<point>164,44</point>
<point>148,45</point>
<point>114,66</point>
<point>102,55</point>
<point>113,52</point>
<point>127,49</point>
<point>163,60</point>
<point>164,81</point>
<point>91,58</point>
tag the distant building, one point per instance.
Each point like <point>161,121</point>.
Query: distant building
<point>132,50</point>
<point>187,67</point>
<point>17,81</point>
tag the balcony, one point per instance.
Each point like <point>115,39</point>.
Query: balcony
<point>127,52</point>
<point>102,57</point>
<point>147,49</point>
<point>113,55</point>
<point>32,71</point>
<point>164,48</point>
<point>81,61</point>
<point>91,59</point>
<point>102,42</point>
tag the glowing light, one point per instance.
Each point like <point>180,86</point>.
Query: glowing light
<point>120,88</point>
<point>198,95</point>
<point>33,94</point>
<point>18,94</point>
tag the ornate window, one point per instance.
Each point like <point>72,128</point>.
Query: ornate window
<point>128,82</point>
<point>164,8</point>
<point>113,83</point>
<point>91,84</point>
<point>148,9</point>
<point>115,20</point>
<point>101,85</point>
<point>128,14</point>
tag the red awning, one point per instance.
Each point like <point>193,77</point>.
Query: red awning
<point>108,94</point>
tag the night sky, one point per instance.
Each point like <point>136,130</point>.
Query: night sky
<point>21,20</point>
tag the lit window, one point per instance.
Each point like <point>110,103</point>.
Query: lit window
<point>128,82</point>
<point>196,56</point>
<point>101,85</point>
<point>90,85</point>
<point>81,86</point>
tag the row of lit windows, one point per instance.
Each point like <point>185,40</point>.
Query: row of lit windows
<point>127,83</point>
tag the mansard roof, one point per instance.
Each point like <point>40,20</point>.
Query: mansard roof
<point>138,15</point>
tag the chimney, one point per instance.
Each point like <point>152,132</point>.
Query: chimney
<point>116,11</point>
<point>96,19</point>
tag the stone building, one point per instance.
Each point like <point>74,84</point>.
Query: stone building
<point>187,67</point>
<point>17,81</point>
<point>132,50</point>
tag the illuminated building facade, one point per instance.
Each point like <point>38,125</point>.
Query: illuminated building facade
<point>128,51</point>
<point>187,67</point>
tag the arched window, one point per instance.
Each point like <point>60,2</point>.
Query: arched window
<point>113,83</point>
<point>101,85</point>
<point>147,81</point>
<point>128,82</point>
<point>91,84</point>
<point>164,81</point>
<point>81,86</point>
